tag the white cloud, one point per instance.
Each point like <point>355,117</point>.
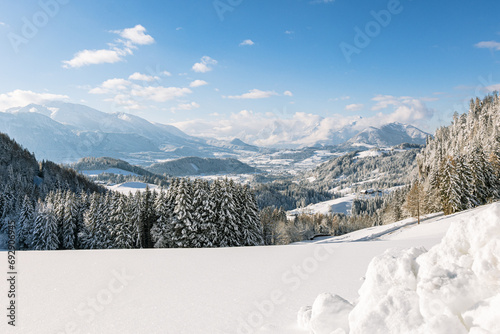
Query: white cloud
<point>21,98</point>
<point>492,45</point>
<point>267,129</point>
<point>288,93</point>
<point>198,83</point>
<point>289,32</point>
<point>247,42</point>
<point>111,86</point>
<point>166,73</point>
<point>354,107</point>
<point>406,109</point>
<point>3,24</point>
<point>159,94</point>
<point>143,77</point>
<point>204,65</point>
<point>94,57</point>
<point>254,94</point>
<point>115,53</point>
<point>178,28</point>
<point>135,35</point>
<point>185,106</point>
<point>341,98</point>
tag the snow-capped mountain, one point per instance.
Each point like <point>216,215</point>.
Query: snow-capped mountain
<point>389,135</point>
<point>66,132</point>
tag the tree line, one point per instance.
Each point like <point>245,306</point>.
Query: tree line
<point>189,214</point>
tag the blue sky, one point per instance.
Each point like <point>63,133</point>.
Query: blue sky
<point>198,64</point>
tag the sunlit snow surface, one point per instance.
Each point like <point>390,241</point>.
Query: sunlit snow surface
<point>452,288</point>
<point>252,289</point>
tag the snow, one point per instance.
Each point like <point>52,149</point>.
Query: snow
<point>340,205</point>
<point>131,187</point>
<point>452,288</point>
<point>369,153</point>
<point>260,289</point>
<point>116,171</point>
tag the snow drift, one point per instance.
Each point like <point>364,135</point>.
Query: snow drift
<point>453,288</point>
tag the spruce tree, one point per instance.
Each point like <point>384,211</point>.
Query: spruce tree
<point>45,236</point>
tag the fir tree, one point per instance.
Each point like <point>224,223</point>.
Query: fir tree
<point>45,235</point>
<point>25,224</point>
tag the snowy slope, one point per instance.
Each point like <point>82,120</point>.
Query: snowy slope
<point>338,205</point>
<point>231,290</point>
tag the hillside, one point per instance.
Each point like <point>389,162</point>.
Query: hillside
<point>93,166</point>
<point>364,170</point>
<point>20,171</point>
<point>201,166</point>
<point>247,289</point>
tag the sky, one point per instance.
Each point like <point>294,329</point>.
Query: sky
<point>221,67</point>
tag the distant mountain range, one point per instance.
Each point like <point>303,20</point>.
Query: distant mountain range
<point>388,135</point>
<point>66,132</point>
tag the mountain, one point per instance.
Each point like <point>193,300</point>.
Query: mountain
<point>389,135</point>
<point>66,132</point>
<point>201,166</point>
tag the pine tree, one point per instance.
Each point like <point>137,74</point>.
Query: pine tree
<point>45,235</point>
<point>69,223</point>
<point>182,233</point>
<point>253,226</point>
<point>230,232</point>
<point>25,224</point>
<point>123,226</point>
<point>450,187</point>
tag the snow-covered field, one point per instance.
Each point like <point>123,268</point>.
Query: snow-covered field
<point>131,187</point>
<point>338,205</point>
<point>116,171</point>
<point>261,289</point>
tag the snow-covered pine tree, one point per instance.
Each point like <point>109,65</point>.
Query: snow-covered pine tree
<point>70,221</point>
<point>229,231</point>
<point>135,215</point>
<point>45,235</point>
<point>160,231</point>
<point>96,233</point>
<point>25,224</point>
<point>182,229</point>
<point>450,187</point>
<point>251,219</point>
<point>201,224</point>
<point>147,217</point>
<point>465,175</point>
<point>123,226</point>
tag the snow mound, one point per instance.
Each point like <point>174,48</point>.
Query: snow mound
<point>453,288</point>
<point>329,313</point>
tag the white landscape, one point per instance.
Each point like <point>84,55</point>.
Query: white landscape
<point>434,277</point>
<point>249,167</point>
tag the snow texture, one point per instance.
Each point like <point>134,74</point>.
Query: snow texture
<point>452,288</point>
